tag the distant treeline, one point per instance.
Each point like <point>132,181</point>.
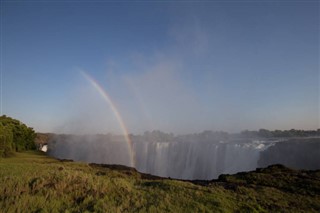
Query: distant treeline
<point>15,136</point>
<point>209,136</point>
<point>205,136</point>
<point>264,133</point>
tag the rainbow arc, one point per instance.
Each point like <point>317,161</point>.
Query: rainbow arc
<point>115,111</point>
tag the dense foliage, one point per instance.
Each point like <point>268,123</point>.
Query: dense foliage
<point>15,136</point>
<point>32,182</point>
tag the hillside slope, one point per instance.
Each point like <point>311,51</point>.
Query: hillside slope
<point>33,182</point>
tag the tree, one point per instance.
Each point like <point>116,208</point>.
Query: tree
<point>15,136</point>
<point>6,141</point>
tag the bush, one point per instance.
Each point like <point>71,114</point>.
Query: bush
<point>15,136</point>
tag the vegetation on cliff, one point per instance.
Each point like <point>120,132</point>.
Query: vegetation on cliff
<point>15,136</point>
<point>33,182</point>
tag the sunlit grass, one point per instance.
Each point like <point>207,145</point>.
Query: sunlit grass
<point>33,182</point>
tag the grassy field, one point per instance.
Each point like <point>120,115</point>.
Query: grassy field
<point>33,182</point>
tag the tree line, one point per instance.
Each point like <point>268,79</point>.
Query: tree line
<point>264,133</point>
<point>15,136</point>
<point>210,136</point>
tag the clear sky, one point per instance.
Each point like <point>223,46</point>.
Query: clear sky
<point>175,66</point>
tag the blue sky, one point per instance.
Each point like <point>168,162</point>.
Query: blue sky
<point>179,66</point>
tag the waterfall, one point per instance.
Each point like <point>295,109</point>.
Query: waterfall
<point>186,159</point>
<point>191,160</point>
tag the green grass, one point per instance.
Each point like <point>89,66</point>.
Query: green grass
<point>33,182</point>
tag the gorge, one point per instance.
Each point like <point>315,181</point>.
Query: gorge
<point>187,158</point>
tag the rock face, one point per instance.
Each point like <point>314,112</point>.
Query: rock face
<point>294,153</point>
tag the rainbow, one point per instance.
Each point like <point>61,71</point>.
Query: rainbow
<point>115,111</point>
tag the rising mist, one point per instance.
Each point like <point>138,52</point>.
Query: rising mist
<point>204,155</point>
